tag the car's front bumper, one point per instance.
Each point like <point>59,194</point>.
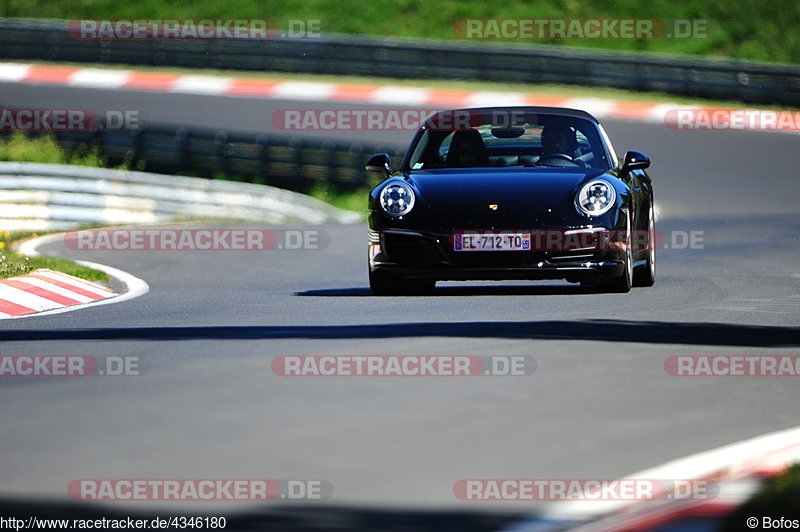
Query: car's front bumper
<point>421,255</point>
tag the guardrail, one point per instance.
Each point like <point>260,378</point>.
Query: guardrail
<point>281,161</point>
<point>415,58</point>
<point>41,197</point>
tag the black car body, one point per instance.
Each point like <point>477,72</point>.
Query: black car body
<point>511,193</point>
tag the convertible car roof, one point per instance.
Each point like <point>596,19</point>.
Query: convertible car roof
<point>561,111</point>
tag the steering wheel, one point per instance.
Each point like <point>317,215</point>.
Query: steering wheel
<point>557,157</point>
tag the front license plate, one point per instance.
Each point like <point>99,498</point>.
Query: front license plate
<point>488,241</point>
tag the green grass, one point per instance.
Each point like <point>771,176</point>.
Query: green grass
<point>44,149</point>
<point>13,263</point>
<point>763,30</point>
<point>352,201</point>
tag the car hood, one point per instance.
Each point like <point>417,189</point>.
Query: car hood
<point>524,197</point>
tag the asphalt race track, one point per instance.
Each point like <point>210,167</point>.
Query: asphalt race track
<point>600,404</point>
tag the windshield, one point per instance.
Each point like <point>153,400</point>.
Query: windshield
<point>506,139</point>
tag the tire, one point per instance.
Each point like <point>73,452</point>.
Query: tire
<point>623,283</point>
<point>646,275</point>
<point>383,283</point>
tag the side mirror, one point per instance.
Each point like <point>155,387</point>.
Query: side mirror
<point>635,160</point>
<point>379,163</point>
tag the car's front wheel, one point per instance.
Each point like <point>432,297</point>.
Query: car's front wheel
<point>383,283</point>
<point>624,282</point>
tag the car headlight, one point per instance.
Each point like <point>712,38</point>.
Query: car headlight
<point>397,199</point>
<point>596,197</point>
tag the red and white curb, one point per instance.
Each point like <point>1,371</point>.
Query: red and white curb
<point>44,292</point>
<point>341,92</point>
<point>45,289</point>
<point>736,467</point>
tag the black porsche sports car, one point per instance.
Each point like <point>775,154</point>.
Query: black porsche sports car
<point>511,193</point>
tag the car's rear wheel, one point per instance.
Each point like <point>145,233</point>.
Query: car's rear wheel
<point>383,283</point>
<point>645,275</point>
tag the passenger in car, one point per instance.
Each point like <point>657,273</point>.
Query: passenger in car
<point>467,149</point>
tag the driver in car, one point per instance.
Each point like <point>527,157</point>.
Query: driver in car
<point>559,142</point>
